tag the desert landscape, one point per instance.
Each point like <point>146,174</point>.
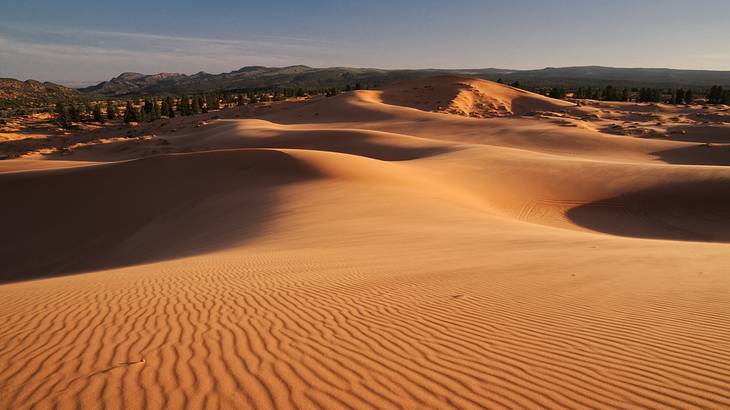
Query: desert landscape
<point>440,242</point>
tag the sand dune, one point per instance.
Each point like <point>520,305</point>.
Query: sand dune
<point>362,251</point>
<point>468,97</point>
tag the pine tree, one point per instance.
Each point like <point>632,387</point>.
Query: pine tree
<point>650,95</point>
<point>183,105</point>
<point>241,100</point>
<point>164,108</point>
<point>111,111</point>
<point>97,114</point>
<point>610,94</point>
<point>678,97</point>
<point>213,103</point>
<point>148,111</point>
<point>716,94</point>
<point>556,92</point>
<point>74,113</point>
<point>62,115</point>
<point>712,95</point>
<point>130,113</point>
<point>689,97</point>
<point>195,108</point>
<point>625,94</point>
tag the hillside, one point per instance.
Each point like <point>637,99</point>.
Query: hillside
<point>34,91</point>
<point>624,77</point>
<point>128,84</point>
<point>246,77</point>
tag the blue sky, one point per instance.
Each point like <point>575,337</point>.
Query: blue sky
<point>95,40</point>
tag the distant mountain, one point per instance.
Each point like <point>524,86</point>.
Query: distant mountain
<point>34,91</point>
<point>136,83</point>
<point>132,84</point>
<point>656,77</point>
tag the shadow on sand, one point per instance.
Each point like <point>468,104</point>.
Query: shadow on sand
<point>704,154</point>
<point>113,215</point>
<point>698,211</point>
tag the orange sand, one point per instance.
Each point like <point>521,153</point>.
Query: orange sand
<point>362,251</point>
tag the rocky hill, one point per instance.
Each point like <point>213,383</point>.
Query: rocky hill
<point>34,91</point>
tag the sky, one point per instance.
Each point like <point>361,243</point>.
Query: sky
<point>90,41</point>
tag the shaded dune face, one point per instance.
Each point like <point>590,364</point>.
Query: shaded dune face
<point>445,243</point>
<point>164,207</point>
<point>379,145</point>
<point>696,211</point>
<point>626,199</point>
<point>703,154</point>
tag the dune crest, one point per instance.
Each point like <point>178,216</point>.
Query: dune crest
<point>468,97</point>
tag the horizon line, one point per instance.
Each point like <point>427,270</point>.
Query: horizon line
<point>97,81</point>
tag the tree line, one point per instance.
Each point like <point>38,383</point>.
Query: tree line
<point>718,95</point>
<point>152,109</point>
<point>68,113</point>
<point>715,95</point>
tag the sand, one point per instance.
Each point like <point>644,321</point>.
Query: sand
<point>369,251</point>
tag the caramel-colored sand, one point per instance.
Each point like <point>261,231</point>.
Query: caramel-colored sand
<point>362,251</point>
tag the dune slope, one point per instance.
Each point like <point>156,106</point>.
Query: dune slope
<point>468,97</point>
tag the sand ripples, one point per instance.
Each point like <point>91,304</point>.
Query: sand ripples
<point>279,332</point>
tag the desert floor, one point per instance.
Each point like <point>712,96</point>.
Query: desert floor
<point>445,243</point>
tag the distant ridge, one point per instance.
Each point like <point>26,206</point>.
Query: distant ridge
<point>129,84</point>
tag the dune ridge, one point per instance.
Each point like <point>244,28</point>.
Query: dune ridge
<point>364,251</point>
<point>468,97</point>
